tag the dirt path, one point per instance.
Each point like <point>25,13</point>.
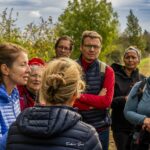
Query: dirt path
<point>111,142</point>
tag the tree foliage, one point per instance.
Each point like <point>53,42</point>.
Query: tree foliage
<point>37,38</point>
<point>146,36</point>
<point>78,16</point>
<point>134,31</point>
<point>83,15</point>
<point>41,38</point>
<point>8,29</point>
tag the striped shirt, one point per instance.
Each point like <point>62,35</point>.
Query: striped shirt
<point>9,108</point>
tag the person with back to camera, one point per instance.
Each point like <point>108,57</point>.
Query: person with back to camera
<point>125,77</point>
<point>14,70</point>
<point>63,46</point>
<point>29,93</point>
<point>92,105</point>
<point>54,124</point>
<point>137,112</point>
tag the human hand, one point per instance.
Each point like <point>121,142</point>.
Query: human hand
<point>126,98</point>
<point>103,92</point>
<point>146,124</point>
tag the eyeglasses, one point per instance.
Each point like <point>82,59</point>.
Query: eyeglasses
<point>63,47</point>
<point>92,46</point>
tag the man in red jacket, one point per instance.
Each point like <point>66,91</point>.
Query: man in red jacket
<point>94,103</point>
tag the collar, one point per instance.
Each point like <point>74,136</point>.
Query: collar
<point>5,97</point>
<point>85,64</point>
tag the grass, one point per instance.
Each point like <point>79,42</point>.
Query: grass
<point>144,66</point>
<point>111,142</point>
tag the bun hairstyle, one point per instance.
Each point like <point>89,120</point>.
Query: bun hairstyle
<point>61,80</point>
<point>133,48</point>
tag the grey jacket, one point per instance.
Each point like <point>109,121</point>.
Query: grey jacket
<point>135,111</point>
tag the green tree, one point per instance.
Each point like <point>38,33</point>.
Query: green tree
<point>83,15</point>
<point>39,38</point>
<point>8,29</point>
<point>146,36</point>
<point>134,31</point>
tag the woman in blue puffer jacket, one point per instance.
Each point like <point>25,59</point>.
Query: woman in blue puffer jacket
<point>54,124</point>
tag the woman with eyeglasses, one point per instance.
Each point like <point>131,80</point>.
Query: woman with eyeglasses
<point>63,46</point>
<point>125,77</point>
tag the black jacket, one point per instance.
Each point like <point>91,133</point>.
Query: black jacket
<point>51,128</point>
<point>123,85</point>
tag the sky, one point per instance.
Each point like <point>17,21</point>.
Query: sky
<point>30,10</point>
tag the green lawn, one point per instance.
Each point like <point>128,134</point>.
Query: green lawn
<point>145,66</point>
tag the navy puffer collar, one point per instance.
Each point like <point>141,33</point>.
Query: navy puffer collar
<point>46,121</point>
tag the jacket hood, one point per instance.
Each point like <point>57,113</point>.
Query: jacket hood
<point>119,70</point>
<point>5,98</point>
<point>46,121</point>
<point>117,67</point>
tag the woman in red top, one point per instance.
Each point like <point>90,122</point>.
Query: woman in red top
<point>29,92</point>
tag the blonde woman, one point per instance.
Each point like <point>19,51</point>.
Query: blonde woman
<point>55,124</point>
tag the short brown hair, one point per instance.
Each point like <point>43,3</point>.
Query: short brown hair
<point>91,34</point>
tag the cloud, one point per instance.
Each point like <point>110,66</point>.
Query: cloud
<point>45,8</point>
<point>123,3</point>
<point>35,14</point>
<point>33,3</point>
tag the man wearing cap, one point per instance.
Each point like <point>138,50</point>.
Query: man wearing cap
<point>29,92</point>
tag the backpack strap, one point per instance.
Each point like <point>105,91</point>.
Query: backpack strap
<point>102,67</point>
<point>140,90</point>
<point>102,70</point>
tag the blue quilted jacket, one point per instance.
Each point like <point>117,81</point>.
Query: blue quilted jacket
<point>9,108</point>
<point>51,128</point>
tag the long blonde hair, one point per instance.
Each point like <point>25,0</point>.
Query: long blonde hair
<point>61,79</point>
